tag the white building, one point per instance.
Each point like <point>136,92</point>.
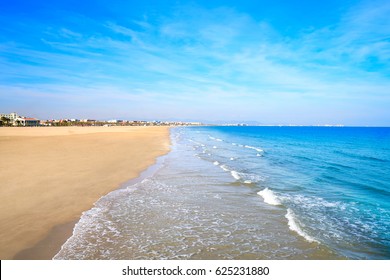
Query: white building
<point>16,120</point>
<point>26,122</point>
<point>114,121</point>
<point>11,116</point>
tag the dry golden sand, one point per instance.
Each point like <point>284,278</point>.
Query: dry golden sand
<point>49,176</point>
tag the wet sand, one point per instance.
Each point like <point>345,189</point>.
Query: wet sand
<point>49,176</point>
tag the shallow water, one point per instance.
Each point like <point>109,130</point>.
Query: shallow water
<point>250,193</point>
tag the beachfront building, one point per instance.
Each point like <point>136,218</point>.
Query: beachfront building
<point>114,121</point>
<point>26,122</point>
<point>16,120</point>
<point>11,116</point>
<point>8,119</point>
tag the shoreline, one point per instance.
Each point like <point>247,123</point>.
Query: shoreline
<point>38,230</point>
<point>48,247</point>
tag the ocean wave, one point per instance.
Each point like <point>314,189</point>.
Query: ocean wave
<point>252,177</point>
<point>245,177</point>
<point>259,150</point>
<point>216,163</point>
<point>195,142</point>
<point>311,202</point>
<point>362,157</point>
<point>254,148</point>
<point>224,168</point>
<point>294,226</point>
<point>269,197</point>
<point>235,175</point>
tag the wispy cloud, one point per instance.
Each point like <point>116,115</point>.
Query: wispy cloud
<point>201,61</point>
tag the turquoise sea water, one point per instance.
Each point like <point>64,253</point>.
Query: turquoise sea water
<point>250,193</point>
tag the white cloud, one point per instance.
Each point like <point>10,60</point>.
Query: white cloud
<point>214,60</point>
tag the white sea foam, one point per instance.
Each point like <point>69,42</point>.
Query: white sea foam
<point>311,202</point>
<point>219,140</point>
<point>224,168</point>
<point>212,138</point>
<point>214,147</point>
<point>195,142</point>
<point>252,177</point>
<point>248,182</point>
<point>269,197</point>
<point>234,144</point>
<point>231,158</point>
<point>259,155</point>
<point>254,148</point>
<point>235,175</point>
<point>294,226</point>
<point>216,163</point>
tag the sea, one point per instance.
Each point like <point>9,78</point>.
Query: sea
<point>242,192</point>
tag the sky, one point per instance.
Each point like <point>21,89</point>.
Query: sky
<point>274,62</point>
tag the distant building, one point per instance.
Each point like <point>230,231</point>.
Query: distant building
<point>115,121</point>
<point>27,122</point>
<point>11,116</point>
<point>17,120</point>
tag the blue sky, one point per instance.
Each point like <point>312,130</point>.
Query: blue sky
<point>275,62</point>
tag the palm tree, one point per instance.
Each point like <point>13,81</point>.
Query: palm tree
<point>6,121</point>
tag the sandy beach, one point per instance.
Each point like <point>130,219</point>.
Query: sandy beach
<point>49,176</point>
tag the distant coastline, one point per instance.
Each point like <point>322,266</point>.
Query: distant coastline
<point>15,120</point>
